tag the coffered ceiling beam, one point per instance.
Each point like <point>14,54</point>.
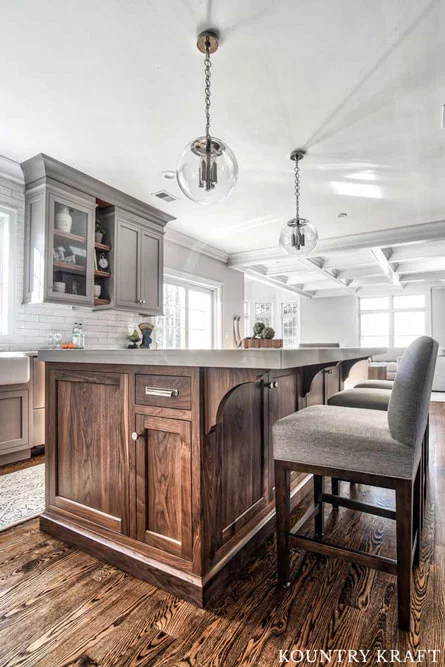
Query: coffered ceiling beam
<point>430,231</point>
<point>381,258</point>
<point>424,275</point>
<point>418,251</point>
<point>360,272</point>
<point>420,265</point>
<point>317,264</point>
<point>274,282</point>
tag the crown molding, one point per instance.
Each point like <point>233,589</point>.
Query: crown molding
<point>43,168</point>
<point>197,246</point>
<point>11,170</point>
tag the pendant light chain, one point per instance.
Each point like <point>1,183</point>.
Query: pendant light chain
<point>208,65</point>
<point>297,191</point>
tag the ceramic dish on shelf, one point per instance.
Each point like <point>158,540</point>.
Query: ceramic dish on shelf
<point>59,287</point>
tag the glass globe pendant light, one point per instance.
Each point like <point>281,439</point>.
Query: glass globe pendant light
<point>207,170</point>
<point>298,237</point>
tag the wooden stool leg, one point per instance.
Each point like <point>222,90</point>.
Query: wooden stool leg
<point>404,527</point>
<point>426,457</point>
<point>318,492</point>
<point>282,498</point>
<point>335,485</point>
<point>418,511</point>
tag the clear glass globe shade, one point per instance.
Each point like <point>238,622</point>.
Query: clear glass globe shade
<point>207,178</point>
<point>289,240</point>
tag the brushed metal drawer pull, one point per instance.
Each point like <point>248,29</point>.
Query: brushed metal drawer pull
<point>165,393</point>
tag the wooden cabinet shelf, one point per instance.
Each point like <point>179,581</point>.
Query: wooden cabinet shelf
<point>102,246</point>
<point>69,237</point>
<point>102,274</point>
<point>69,268</point>
<point>101,302</point>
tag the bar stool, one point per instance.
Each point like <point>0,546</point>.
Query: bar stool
<point>373,447</point>
<point>375,384</point>
<point>362,397</point>
<point>375,395</point>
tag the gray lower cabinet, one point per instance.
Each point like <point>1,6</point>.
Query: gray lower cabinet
<point>14,420</point>
<point>138,265</point>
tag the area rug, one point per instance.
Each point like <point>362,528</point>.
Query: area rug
<point>22,495</point>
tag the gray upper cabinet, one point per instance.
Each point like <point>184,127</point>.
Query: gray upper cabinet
<point>64,260</point>
<point>58,246</point>
<point>152,269</point>
<point>138,265</point>
<point>128,263</point>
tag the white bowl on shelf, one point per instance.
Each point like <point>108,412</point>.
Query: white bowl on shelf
<point>59,287</point>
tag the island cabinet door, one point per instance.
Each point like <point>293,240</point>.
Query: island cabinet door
<point>163,484</point>
<point>88,446</point>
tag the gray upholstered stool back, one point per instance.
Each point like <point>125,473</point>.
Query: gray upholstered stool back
<point>410,397</point>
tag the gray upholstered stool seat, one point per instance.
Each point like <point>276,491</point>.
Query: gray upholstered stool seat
<point>370,399</point>
<point>375,384</point>
<point>343,438</point>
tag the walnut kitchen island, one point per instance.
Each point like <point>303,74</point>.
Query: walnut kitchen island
<point>160,461</point>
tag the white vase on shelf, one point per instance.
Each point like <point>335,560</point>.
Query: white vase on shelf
<point>63,220</point>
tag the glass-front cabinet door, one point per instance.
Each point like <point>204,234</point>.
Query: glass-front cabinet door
<point>70,248</point>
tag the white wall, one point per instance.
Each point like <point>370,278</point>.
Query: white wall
<point>330,320</point>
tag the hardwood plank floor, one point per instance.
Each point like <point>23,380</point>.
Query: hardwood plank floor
<point>59,606</point>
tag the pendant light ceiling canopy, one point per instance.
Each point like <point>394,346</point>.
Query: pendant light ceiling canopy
<point>207,170</point>
<point>298,237</point>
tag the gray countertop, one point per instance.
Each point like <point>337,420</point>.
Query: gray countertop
<point>274,359</point>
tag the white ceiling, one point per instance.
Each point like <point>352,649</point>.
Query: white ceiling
<point>115,89</point>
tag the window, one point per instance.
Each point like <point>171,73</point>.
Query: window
<point>263,313</point>
<point>289,324</point>
<point>392,321</point>
<point>189,316</point>
<point>6,273</point>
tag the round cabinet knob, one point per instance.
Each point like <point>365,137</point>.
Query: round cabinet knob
<point>134,435</point>
<point>273,384</point>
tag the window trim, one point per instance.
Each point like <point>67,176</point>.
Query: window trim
<point>11,215</point>
<point>426,309</point>
<point>182,278</point>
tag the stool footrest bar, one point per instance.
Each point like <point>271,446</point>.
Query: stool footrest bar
<point>360,507</point>
<point>381,563</point>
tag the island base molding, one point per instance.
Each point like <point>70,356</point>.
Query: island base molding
<point>167,472</point>
<point>193,588</point>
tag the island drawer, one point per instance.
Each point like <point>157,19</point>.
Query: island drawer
<point>164,391</point>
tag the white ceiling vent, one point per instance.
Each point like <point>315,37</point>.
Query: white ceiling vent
<point>165,196</point>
